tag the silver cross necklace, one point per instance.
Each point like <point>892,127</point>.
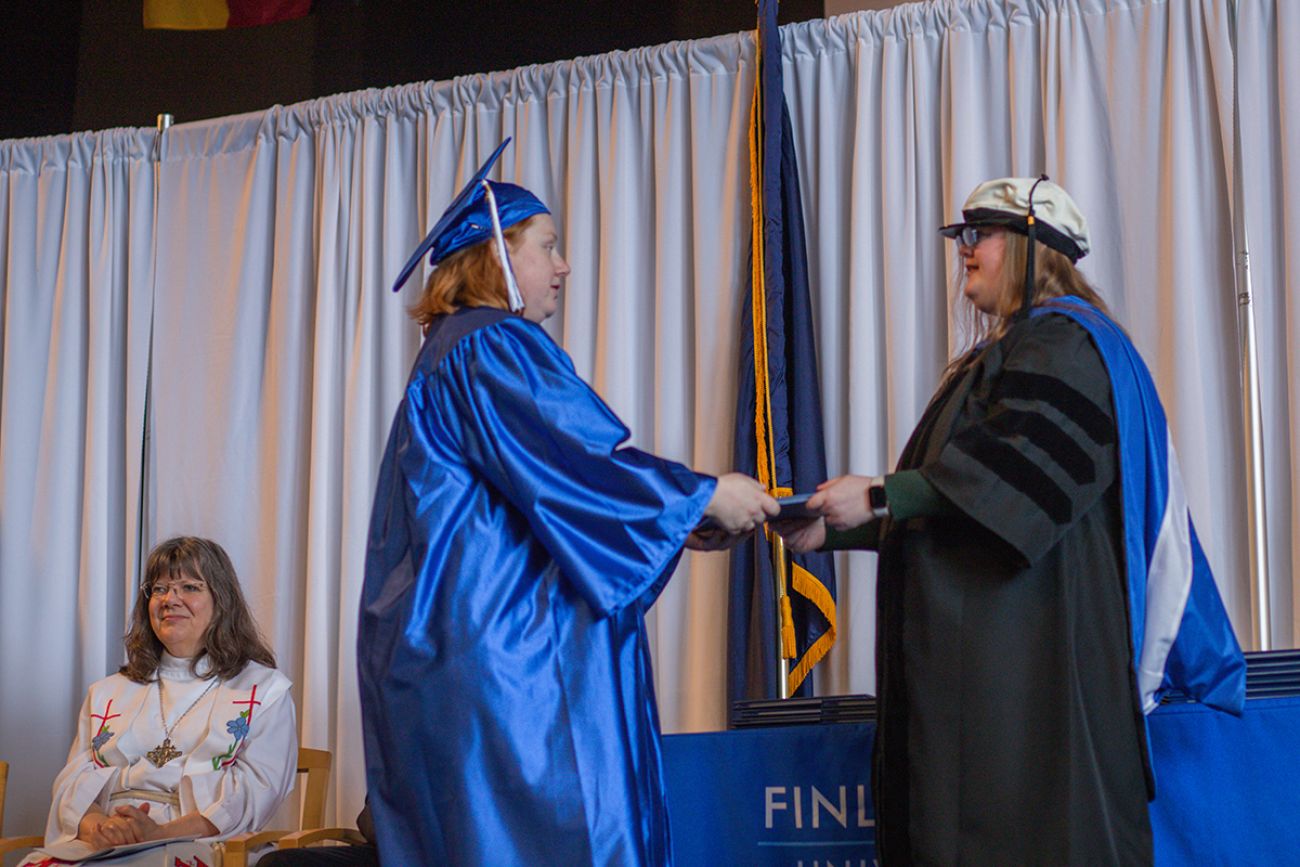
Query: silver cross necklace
<point>165,752</point>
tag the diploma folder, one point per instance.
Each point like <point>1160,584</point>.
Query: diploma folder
<point>793,508</point>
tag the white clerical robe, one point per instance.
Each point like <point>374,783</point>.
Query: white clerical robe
<point>238,747</point>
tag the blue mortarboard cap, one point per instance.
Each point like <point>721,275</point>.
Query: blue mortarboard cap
<point>469,220</point>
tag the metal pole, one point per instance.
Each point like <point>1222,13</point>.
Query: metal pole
<point>1252,419</point>
<point>780,572</point>
<point>142,501</point>
<point>1256,526</point>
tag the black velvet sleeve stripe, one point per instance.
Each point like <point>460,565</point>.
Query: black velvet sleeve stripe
<point>1008,464</point>
<point>1060,446</point>
<point>1072,403</point>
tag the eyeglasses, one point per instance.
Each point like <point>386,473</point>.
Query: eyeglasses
<point>187,589</point>
<point>970,236</point>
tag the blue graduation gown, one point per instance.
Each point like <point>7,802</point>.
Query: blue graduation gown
<point>507,701</point>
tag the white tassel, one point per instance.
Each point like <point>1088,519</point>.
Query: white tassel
<point>512,288</point>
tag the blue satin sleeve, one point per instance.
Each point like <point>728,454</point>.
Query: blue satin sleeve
<point>613,518</point>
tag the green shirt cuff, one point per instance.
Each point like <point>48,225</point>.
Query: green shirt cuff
<point>863,537</point>
<point>910,495</point>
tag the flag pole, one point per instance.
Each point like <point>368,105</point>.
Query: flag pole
<point>783,637</point>
<point>784,615</point>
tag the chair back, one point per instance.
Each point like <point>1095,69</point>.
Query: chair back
<point>316,765</point>
<point>4,781</point>
<point>11,844</point>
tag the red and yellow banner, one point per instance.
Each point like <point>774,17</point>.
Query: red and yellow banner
<point>219,14</point>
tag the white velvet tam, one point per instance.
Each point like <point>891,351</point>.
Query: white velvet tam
<point>1005,202</point>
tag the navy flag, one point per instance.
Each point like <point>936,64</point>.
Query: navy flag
<point>778,413</point>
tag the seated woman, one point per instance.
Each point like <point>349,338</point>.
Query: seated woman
<point>195,736</point>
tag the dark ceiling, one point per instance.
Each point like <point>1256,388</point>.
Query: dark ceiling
<point>88,64</point>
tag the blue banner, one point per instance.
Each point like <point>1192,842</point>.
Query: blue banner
<point>801,796</point>
<point>778,436</point>
<point>785,797</point>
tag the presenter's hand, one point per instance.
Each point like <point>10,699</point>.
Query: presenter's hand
<point>802,535</point>
<point>740,504</point>
<point>843,502</point>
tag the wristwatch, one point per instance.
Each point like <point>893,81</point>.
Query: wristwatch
<point>877,499</point>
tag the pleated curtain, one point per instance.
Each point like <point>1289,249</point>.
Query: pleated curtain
<point>236,272</point>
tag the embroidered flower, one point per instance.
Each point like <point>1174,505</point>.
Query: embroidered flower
<point>97,744</point>
<point>238,727</point>
<point>102,734</point>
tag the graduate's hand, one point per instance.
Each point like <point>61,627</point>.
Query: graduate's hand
<point>740,504</point>
<point>713,540</point>
<point>138,821</point>
<point>843,502</point>
<point>802,535</point>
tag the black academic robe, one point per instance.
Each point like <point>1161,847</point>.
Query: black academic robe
<point>1009,729</point>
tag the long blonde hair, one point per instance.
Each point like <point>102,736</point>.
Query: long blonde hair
<point>1054,276</point>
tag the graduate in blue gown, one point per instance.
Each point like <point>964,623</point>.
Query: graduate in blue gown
<point>515,546</point>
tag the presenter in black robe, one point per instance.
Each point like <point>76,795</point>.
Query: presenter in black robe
<point>1011,727</point>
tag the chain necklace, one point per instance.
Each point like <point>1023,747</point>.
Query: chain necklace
<point>165,752</point>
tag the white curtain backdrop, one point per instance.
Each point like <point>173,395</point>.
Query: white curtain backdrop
<point>279,353</point>
<point>76,224</point>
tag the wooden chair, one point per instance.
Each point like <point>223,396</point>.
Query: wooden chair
<point>299,839</point>
<point>314,834</point>
<point>12,844</point>
<point>316,765</point>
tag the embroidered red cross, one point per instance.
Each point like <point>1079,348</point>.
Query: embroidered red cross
<point>105,716</point>
<point>252,700</point>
